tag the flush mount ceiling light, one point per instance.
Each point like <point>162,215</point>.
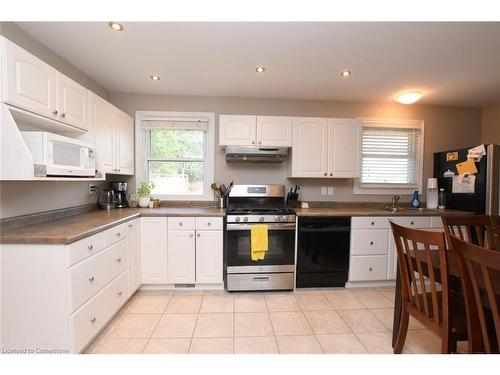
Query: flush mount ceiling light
<point>155,77</point>
<point>115,26</point>
<point>260,69</point>
<point>346,73</point>
<point>409,97</point>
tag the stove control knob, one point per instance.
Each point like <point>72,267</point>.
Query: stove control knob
<point>284,218</point>
<point>277,218</point>
<point>237,219</point>
<point>245,219</point>
<point>261,219</point>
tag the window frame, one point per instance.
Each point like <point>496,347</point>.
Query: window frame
<point>141,144</point>
<point>392,189</point>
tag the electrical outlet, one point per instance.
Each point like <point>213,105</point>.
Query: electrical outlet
<point>91,188</point>
<point>330,190</point>
<point>323,190</point>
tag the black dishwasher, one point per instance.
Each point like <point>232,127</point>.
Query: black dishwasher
<point>323,251</point>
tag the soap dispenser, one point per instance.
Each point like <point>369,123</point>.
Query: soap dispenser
<point>415,201</point>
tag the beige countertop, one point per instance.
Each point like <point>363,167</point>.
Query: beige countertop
<point>73,228</point>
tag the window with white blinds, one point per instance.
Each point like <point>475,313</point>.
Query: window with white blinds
<point>392,155</point>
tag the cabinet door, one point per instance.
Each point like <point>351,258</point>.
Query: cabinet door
<point>124,143</point>
<point>237,130</point>
<point>309,154</point>
<point>134,256</point>
<point>153,250</point>
<point>392,266</point>
<point>344,148</point>
<point>274,131</point>
<point>72,102</point>
<point>209,260</point>
<point>29,83</point>
<point>181,257</point>
<point>102,113</point>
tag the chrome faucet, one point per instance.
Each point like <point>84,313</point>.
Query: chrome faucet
<point>394,201</point>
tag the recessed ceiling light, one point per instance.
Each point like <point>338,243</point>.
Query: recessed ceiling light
<point>346,73</point>
<point>115,26</point>
<point>260,69</point>
<point>409,97</point>
<point>154,77</point>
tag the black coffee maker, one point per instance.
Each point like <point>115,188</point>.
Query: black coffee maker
<point>120,189</point>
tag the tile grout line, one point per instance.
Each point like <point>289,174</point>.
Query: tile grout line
<point>156,326</point>
<point>272,325</point>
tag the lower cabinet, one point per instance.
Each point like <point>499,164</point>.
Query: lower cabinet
<point>154,250</point>
<point>134,256</point>
<point>209,255</point>
<point>181,257</point>
<point>373,251</point>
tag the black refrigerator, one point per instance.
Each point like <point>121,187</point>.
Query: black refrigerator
<point>485,198</point>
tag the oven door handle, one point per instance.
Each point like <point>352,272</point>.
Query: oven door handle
<point>284,226</point>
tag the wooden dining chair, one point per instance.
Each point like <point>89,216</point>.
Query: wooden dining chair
<point>476,229</point>
<point>423,269</point>
<point>496,225</point>
<point>483,268</point>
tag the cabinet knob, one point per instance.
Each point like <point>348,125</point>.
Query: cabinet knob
<point>130,225</point>
<point>118,170</point>
<point>370,269</point>
<point>55,112</point>
<point>92,320</point>
<point>326,174</point>
<point>119,260</point>
<point>191,235</point>
<point>331,174</point>
<point>253,142</point>
<point>118,234</point>
<point>260,142</point>
<point>209,224</point>
<point>372,223</point>
<point>90,247</point>
<point>120,293</point>
<point>371,242</point>
<point>91,279</point>
<point>412,223</point>
<point>180,223</point>
<point>63,115</point>
<point>197,235</point>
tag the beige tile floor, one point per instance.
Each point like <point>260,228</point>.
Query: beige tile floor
<point>302,322</point>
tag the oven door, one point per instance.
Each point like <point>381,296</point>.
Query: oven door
<point>280,256</point>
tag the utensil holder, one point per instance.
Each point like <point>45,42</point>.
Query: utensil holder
<point>221,202</point>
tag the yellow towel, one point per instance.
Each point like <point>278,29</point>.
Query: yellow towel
<point>258,241</point>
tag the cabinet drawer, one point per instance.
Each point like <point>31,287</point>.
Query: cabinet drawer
<point>381,222</point>
<point>413,222</point>
<point>116,234</point>
<point>369,242</point>
<point>86,247</point>
<point>92,274</point>
<point>261,281</point>
<point>208,223</point>
<point>181,223</point>
<point>436,222</point>
<point>367,268</point>
<point>86,322</point>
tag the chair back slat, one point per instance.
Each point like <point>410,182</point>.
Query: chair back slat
<point>479,229</point>
<point>419,252</point>
<point>483,269</point>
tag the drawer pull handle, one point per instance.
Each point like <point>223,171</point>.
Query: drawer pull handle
<point>370,269</point>
<point>119,260</point>
<point>90,247</point>
<point>261,278</point>
<point>92,320</point>
<point>371,242</point>
<point>91,279</point>
<point>120,293</point>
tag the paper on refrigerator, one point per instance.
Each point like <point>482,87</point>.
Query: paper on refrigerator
<point>476,153</point>
<point>464,184</point>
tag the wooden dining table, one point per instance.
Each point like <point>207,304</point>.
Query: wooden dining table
<point>454,283</point>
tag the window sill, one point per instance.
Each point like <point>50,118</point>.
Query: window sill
<point>380,190</point>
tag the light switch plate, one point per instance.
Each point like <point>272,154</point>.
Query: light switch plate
<point>330,190</point>
<point>323,190</point>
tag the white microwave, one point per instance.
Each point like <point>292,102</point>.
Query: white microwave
<point>56,155</point>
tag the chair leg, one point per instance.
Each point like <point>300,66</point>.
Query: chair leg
<point>448,343</point>
<point>403,330</point>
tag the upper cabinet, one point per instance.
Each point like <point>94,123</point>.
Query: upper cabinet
<point>326,148</point>
<point>35,86</point>
<point>269,131</point>
<point>114,137</point>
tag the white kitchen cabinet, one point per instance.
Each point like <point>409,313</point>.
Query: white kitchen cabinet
<point>209,256</point>
<point>72,102</point>
<point>268,131</point>
<point>236,130</point>
<point>274,131</point>
<point>310,145</point>
<point>134,256</point>
<point>344,148</point>
<point>153,234</point>
<point>29,83</point>
<point>181,257</point>
<point>114,137</point>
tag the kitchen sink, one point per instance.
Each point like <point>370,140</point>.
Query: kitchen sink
<point>406,209</point>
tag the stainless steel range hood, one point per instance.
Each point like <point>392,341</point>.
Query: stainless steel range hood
<point>256,154</point>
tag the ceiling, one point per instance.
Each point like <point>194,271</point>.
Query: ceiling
<point>452,63</point>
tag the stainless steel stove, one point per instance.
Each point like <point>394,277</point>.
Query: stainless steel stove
<point>259,204</point>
